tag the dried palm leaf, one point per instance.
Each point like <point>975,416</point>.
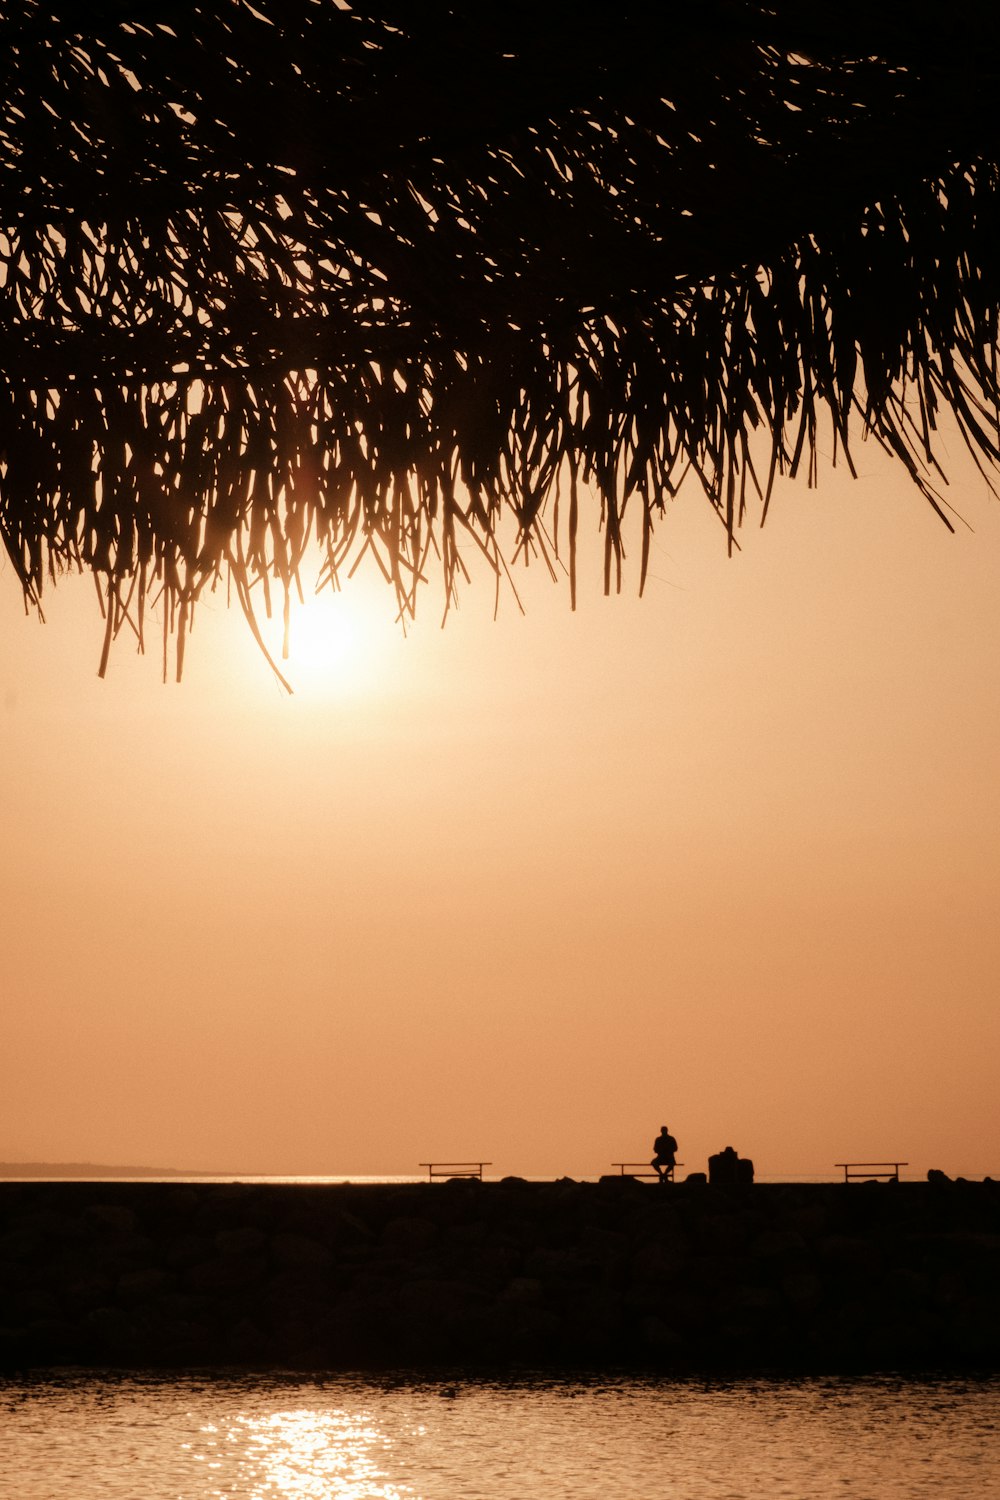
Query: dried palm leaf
<point>381,275</point>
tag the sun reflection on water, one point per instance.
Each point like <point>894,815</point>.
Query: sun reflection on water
<point>306,1455</point>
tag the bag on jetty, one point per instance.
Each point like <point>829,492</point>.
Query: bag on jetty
<point>726,1166</point>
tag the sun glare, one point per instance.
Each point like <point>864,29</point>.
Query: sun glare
<point>339,643</point>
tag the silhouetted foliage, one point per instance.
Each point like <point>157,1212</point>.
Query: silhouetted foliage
<point>377,276</point>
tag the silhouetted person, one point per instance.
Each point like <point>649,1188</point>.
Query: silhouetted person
<point>665,1154</point>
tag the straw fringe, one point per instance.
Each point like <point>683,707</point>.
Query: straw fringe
<point>377,278</point>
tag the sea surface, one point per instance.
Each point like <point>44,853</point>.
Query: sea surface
<point>175,1179</point>
<point>75,1436</point>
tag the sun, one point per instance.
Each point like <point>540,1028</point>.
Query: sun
<point>340,642</point>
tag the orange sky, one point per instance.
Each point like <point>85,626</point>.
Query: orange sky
<point>724,858</point>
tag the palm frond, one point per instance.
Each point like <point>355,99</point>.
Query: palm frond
<point>383,276</point>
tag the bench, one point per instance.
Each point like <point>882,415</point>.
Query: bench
<point>871,1171</point>
<point>472,1169</point>
<point>645,1169</point>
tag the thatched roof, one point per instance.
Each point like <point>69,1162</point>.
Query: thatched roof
<point>381,276</point>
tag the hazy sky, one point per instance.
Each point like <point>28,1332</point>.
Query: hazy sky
<point>724,858</point>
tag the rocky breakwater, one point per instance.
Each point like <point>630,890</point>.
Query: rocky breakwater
<point>468,1274</point>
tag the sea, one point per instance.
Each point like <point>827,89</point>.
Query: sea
<point>69,1435</point>
<point>103,1175</point>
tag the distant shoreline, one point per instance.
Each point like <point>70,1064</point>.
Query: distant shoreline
<point>95,1170</point>
<point>100,1172</point>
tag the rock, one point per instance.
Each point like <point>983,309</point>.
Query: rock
<point>298,1250</point>
<point>247,1343</point>
<point>187,1250</point>
<point>111,1218</point>
<point>109,1331</point>
<point>777,1244</point>
<point>226,1273</point>
<point>86,1289</point>
<point>523,1289</point>
<point>247,1240</point>
<point>659,1338</point>
<point>143,1286</point>
<point>658,1263</point>
<point>803,1289</point>
<point>409,1235</point>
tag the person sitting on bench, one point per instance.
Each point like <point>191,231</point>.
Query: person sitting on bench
<point>665,1157</point>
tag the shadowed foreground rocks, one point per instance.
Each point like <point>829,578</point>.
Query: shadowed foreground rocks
<point>690,1277</point>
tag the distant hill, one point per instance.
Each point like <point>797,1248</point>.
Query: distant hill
<point>49,1169</point>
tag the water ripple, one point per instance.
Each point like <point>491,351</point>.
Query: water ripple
<point>69,1436</point>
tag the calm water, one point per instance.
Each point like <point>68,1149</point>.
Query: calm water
<point>80,1437</point>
